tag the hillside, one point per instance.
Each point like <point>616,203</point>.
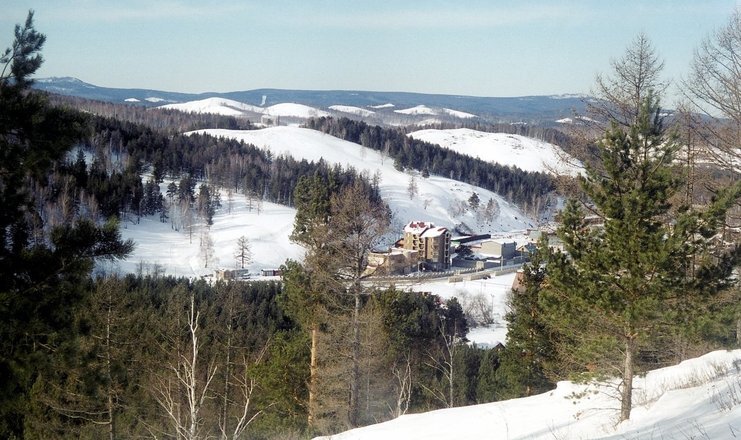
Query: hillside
<point>697,399</point>
<point>525,153</point>
<point>437,199</point>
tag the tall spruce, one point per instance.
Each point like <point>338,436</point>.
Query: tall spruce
<point>623,267</point>
<point>42,268</point>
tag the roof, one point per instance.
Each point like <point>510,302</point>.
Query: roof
<point>434,232</point>
<point>418,227</point>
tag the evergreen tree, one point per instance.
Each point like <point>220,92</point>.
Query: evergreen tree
<point>606,294</point>
<point>474,201</point>
<point>530,346</point>
<point>40,277</point>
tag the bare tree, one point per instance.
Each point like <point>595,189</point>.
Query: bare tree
<point>208,254</point>
<point>714,87</point>
<point>630,80</point>
<point>412,188</point>
<point>243,253</point>
<point>189,378</point>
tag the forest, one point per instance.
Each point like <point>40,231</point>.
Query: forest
<point>646,274</point>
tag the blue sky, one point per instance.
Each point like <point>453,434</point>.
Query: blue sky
<point>477,47</point>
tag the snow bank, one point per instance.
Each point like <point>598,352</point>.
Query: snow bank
<point>699,398</point>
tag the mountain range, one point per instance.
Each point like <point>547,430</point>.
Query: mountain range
<point>513,109</point>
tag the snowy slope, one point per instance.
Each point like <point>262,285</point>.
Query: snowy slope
<point>158,244</point>
<point>458,113</point>
<point>437,193</point>
<point>418,110</point>
<point>229,107</point>
<point>697,399</point>
<point>219,106</point>
<point>352,110</point>
<point>506,149</point>
<point>295,110</point>
<point>425,110</point>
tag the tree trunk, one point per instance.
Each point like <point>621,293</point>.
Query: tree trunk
<point>313,373</point>
<point>355,374</point>
<point>109,373</point>
<point>626,391</point>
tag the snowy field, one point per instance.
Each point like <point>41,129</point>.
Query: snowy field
<point>158,244</point>
<point>697,399</point>
<point>505,149</point>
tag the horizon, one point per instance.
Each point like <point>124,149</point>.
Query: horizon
<point>209,92</point>
<point>485,49</point>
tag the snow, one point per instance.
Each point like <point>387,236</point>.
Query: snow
<point>218,106</point>
<point>506,149</point>
<point>295,110</point>
<point>699,398</point>
<point>131,100</point>
<point>230,107</point>
<point>154,99</point>
<point>459,114</point>
<point>435,196</point>
<point>495,290</point>
<point>352,110</point>
<point>380,106</point>
<point>418,110</point>
<point>571,121</point>
<point>267,232</point>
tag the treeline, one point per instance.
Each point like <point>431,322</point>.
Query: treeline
<point>527,189</point>
<point>165,357</point>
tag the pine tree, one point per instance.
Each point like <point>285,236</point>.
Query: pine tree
<point>606,294</point>
<point>530,347</point>
<point>474,201</point>
<point>40,277</point>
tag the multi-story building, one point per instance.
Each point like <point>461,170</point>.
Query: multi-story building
<point>432,244</point>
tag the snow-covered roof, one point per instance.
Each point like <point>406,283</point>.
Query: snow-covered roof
<point>434,232</point>
<point>418,227</point>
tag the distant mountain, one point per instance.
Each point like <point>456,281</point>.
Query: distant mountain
<point>526,108</point>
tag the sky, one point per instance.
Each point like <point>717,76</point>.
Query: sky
<point>475,47</point>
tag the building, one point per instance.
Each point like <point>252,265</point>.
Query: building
<point>504,249</point>
<point>232,274</point>
<point>395,261</point>
<point>271,272</point>
<point>432,244</point>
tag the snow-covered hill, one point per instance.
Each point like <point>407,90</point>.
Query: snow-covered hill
<point>230,107</point>
<point>437,199</point>
<point>352,110</point>
<point>218,106</point>
<point>697,399</point>
<point>295,110</point>
<point>506,149</point>
<point>425,110</point>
